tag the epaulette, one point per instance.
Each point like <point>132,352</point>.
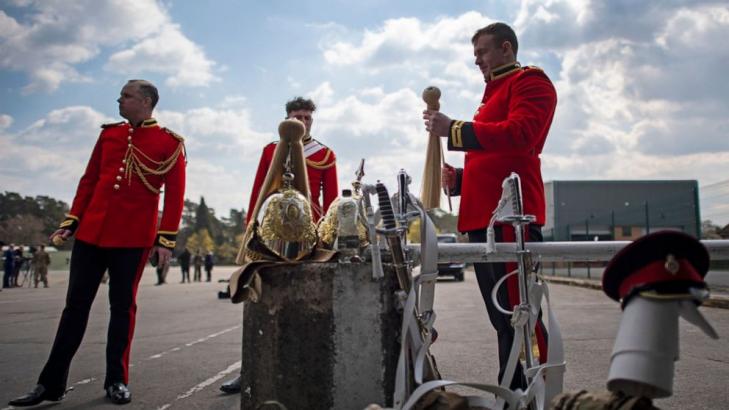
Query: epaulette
<point>533,67</point>
<point>112,124</point>
<point>177,136</point>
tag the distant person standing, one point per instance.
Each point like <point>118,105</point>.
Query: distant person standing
<point>184,260</point>
<point>40,261</point>
<point>197,262</point>
<point>162,273</point>
<point>18,261</point>
<point>209,263</point>
<point>9,266</point>
<point>2,244</point>
<point>114,217</point>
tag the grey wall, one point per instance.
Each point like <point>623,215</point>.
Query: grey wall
<point>577,208</point>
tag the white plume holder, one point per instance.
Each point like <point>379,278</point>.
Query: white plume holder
<point>645,349</point>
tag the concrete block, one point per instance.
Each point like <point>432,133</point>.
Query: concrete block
<point>323,336</point>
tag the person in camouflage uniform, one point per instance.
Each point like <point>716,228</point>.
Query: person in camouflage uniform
<point>40,262</point>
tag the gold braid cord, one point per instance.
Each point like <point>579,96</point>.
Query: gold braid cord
<point>323,163</point>
<point>137,166</point>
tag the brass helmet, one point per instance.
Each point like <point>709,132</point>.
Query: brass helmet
<point>284,225</point>
<point>331,230</point>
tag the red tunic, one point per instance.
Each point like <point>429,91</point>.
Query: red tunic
<point>321,167</point>
<point>113,205</point>
<point>507,135</point>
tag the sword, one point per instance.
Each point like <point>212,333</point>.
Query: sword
<point>358,174</point>
<point>392,234</point>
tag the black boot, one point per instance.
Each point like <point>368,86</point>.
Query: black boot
<point>231,386</point>
<point>118,393</point>
<point>37,395</point>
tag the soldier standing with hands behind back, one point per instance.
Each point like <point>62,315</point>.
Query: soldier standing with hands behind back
<point>506,135</point>
<point>114,218</point>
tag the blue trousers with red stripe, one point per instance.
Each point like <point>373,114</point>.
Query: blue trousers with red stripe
<point>487,275</point>
<point>88,264</point>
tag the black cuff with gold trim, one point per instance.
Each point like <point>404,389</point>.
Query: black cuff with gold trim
<point>166,240</point>
<point>462,137</point>
<point>70,224</point>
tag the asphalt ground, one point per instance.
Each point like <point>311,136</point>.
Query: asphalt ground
<point>187,342</point>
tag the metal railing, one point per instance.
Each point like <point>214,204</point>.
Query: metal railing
<point>551,251</point>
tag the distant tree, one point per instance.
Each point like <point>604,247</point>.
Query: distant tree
<point>226,252</point>
<point>202,216</point>
<point>200,240</point>
<point>51,211</point>
<point>188,214</point>
<point>413,234</point>
<point>709,230</point>
<point>47,211</point>
<point>444,221</point>
<point>724,232</point>
<point>220,234</point>
<point>23,229</point>
<point>235,221</point>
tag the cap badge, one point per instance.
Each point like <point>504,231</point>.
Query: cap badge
<point>671,264</point>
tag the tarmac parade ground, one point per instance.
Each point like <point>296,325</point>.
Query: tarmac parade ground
<point>187,342</point>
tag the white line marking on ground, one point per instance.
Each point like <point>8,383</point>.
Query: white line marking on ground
<point>157,356</point>
<point>233,367</point>
<point>202,339</point>
<point>35,300</point>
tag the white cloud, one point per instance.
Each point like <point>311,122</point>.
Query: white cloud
<point>49,156</point>
<point>646,96</point>
<point>65,128</point>
<point>5,121</point>
<point>292,82</point>
<point>168,52</point>
<point>231,101</point>
<point>58,35</point>
<point>322,94</point>
<point>409,43</point>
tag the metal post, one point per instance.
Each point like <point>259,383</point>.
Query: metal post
<point>647,219</point>
<point>612,223</point>
<point>697,208</point>
<point>522,254</point>
<point>587,238</point>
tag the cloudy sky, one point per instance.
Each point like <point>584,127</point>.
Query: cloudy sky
<point>642,87</point>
